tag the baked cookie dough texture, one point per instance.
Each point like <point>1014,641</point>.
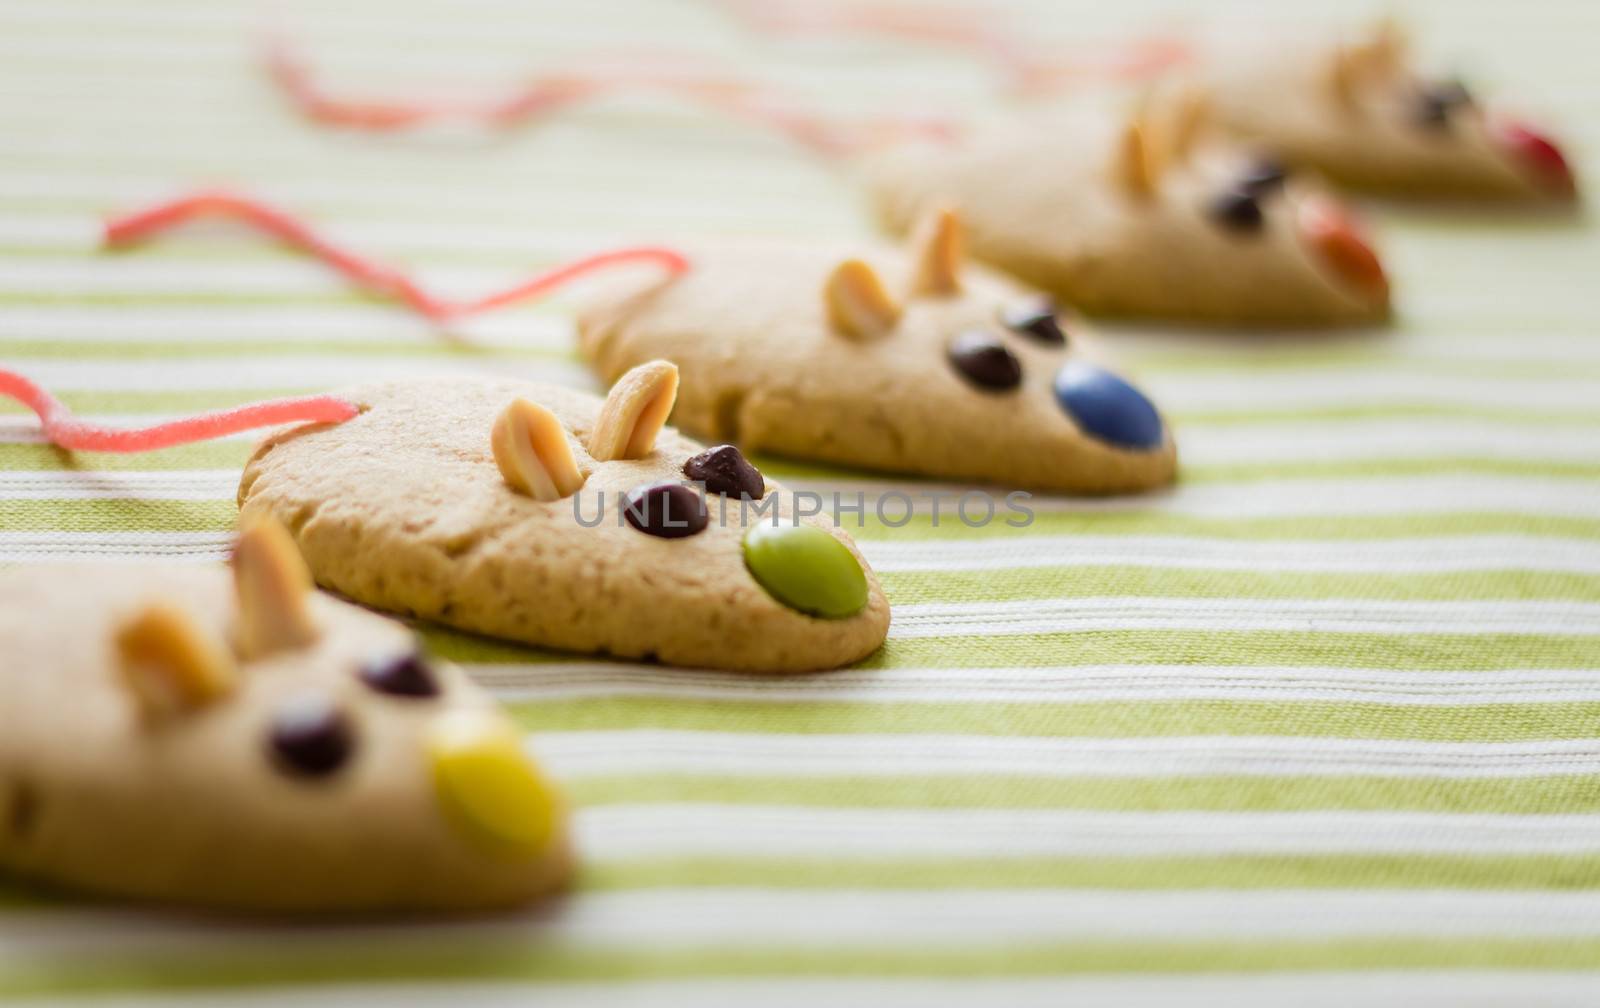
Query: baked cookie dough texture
<point>1358,113</point>
<point>175,738</point>
<point>1147,213</point>
<point>902,362</point>
<point>542,515</point>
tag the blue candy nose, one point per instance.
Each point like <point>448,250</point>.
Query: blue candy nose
<point>1107,407</point>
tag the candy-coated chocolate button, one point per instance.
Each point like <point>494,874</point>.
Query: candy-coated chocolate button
<point>807,569</point>
<point>1237,210</point>
<point>488,786</point>
<point>667,510</point>
<point>407,675</point>
<point>1107,407</point>
<point>310,735</point>
<point>1539,153</point>
<point>1034,317</point>
<point>724,470</point>
<point>985,361</point>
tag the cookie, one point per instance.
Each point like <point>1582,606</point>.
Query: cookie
<point>1358,113</point>
<point>1140,215</point>
<point>911,363</point>
<point>175,738</point>
<point>542,515</point>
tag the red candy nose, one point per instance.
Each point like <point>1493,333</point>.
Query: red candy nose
<point>1337,238</point>
<point>1539,153</point>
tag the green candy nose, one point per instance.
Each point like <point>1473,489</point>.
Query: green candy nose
<point>807,569</point>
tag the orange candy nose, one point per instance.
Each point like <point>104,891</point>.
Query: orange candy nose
<point>1538,153</point>
<point>1337,238</point>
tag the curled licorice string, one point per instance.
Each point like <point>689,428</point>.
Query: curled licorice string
<point>1030,65</point>
<point>371,276</point>
<point>63,429</point>
<point>548,94</point>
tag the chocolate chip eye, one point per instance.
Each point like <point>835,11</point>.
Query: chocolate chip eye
<point>1437,100</point>
<point>310,735</point>
<point>405,675</point>
<point>666,510</point>
<point>985,361</point>
<point>724,470</point>
<point>1264,175</point>
<point>1035,317</point>
<point>1237,210</point>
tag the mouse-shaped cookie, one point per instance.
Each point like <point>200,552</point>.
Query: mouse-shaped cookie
<point>543,515</point>
<point>1357,112</point>
<point>1141,214</point>
<point>916,363</point>
<point>173,737</point>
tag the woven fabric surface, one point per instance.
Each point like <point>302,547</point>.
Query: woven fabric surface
<point>1317,726</point>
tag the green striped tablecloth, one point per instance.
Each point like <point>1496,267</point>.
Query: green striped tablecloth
<point>1317,727</point>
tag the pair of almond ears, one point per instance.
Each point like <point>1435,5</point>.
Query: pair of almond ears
<point>171,664</point>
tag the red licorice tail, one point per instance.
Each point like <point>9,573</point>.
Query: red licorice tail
<point>364,273</point>
<point>66,431</point>
<point>549,94</point>
<point>983,33</point>
<point>294,77</point>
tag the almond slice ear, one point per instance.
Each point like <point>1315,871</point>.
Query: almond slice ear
<point>530,447</point>
<point>859,307</point>
<point>1344,73</point>
<point>1138,167</point>
<point>1386,47</point>
<point>1193,111</point>
<point>170,664</point>
<point>635,411</point>
<point>274,590</point>
<point>937,248</point>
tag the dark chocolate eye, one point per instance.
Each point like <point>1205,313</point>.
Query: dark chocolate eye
<point>1034,317</point>
<point>1437,100</point>
<point>406,675</point>
<point>985,361</point>
<point>310,735</point>
<point>724,470</point>
<point>1264,175</point>
<point>666,510</point>
<point>1237,210</point>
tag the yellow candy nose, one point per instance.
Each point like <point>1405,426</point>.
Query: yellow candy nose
<point>488,787</point>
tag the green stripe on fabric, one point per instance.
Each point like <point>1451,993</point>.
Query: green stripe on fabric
<point>1010,584</point>
<point>1357,468</point>
<point>1334,871</point>
<point>1244,647</point>
<point>1568,794</point>
<point>230,454</point>
<point>1529,415</point>
<point>1508,722</point>
<point>118,515</point>
<point>1419,652</point>
<point>427,958</point>
<point>1300,527</point>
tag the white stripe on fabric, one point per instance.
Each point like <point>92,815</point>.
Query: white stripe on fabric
<point>646,751</point>
<point>689,918</point>
<point>1077,684</point>
<point>1040,616</point>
